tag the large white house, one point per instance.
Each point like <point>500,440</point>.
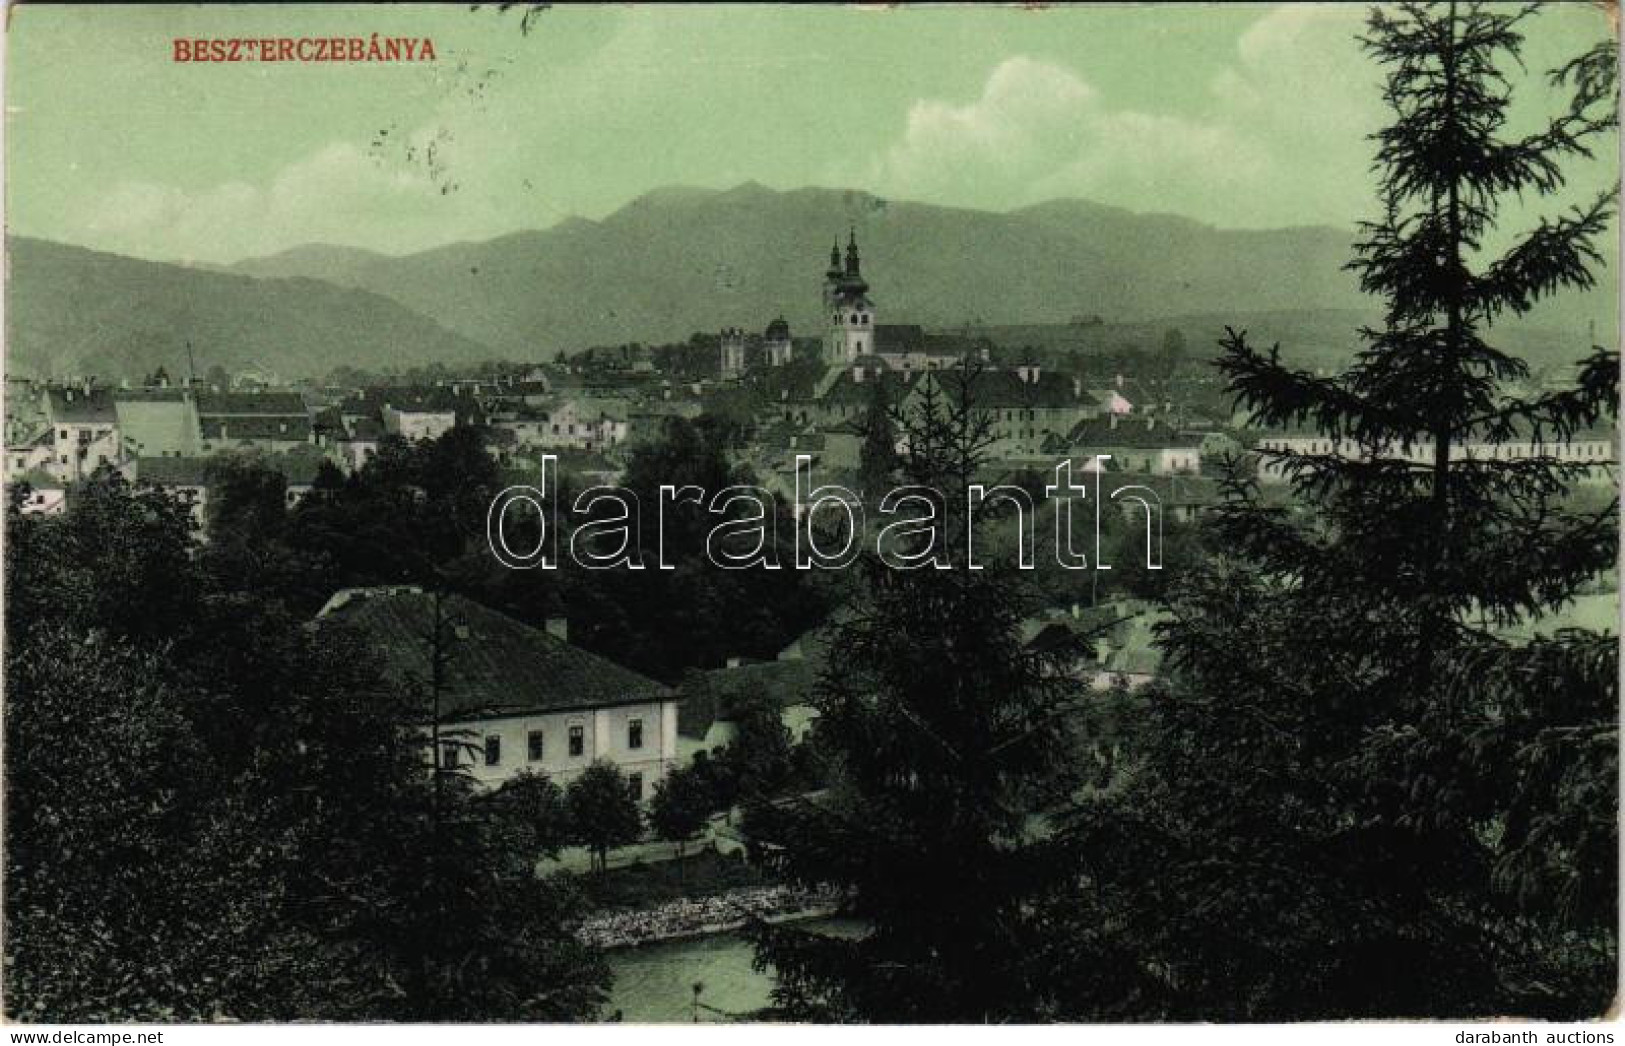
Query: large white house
<point>514,698</point>
<point>1594,449</point>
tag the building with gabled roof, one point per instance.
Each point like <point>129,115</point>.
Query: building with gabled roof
<point>713,702</point>
<point>47,495</point>
<point>514,698</point>
<point>1136,445</point>
<point>83,424</point>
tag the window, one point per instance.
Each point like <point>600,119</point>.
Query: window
<point>534,742</point>
<point>578,740</point>
<point>448,755</point>
<point>634,733</point>
<point>493,750</point>
<point>634,785</point>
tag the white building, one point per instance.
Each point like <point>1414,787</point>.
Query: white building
<point>84,431</point>
<point>1595,450</point>
<point>413,422</point>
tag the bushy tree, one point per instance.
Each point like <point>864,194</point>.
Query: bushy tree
<point>603,814</point>
<point>682,804</point>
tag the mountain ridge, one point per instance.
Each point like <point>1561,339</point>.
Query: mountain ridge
<point>75,310</point>
<point>678,260</point>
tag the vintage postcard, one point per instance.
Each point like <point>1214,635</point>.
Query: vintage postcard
<point>905,514</point>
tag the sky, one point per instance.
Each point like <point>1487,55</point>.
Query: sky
<point>1239,115</point>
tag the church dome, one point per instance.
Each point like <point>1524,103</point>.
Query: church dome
<point>778,330</point>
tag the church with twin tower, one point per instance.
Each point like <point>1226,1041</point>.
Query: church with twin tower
<point>847,304</point>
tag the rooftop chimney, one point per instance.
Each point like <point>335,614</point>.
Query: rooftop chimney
<point>559,628</point>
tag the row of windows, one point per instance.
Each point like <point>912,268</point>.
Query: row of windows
<point>536,744</point>
<point>857,318</point>
<point>84,434</point>
<point>1498,451</point>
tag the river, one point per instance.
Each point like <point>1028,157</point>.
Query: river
<point>654,983</point>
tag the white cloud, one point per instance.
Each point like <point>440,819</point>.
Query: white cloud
<point>1285,121</point>
<point>1004,136</point>
<point>338,187</point>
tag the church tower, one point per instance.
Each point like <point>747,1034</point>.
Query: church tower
<point>851,313</point>
<point>776,344</point>
<point>733,352</point>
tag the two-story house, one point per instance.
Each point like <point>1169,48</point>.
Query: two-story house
<point>512,698</point>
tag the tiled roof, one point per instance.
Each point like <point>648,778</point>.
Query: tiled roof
<point>409,398</point>
<point>367,429</point>
<point>899,337</point>
<point>252,427</point>
<point>158,395</point>
<point>277,404</point>
<point>846,390</point>
<point>39,480</point>
<point>75,406</point>
<point>173,472</point>
<point>1002,389</point>
<point>1140,433</point>
<point>497,665</point>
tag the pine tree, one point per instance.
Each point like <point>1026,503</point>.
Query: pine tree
<point>877,457</point>
<point>1332,818</point>
<point>945,746</point>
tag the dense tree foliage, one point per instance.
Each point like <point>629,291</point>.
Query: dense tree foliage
<point>213,811</point>
<point>682,804</point>
<point>947,744</point>
<point>1360,797</point>
<point>627,615</point>
<point>603,812</point>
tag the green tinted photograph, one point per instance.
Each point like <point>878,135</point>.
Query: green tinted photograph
<point>826,514</point>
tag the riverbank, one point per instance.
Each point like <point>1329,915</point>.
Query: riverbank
<point>689,917</point>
